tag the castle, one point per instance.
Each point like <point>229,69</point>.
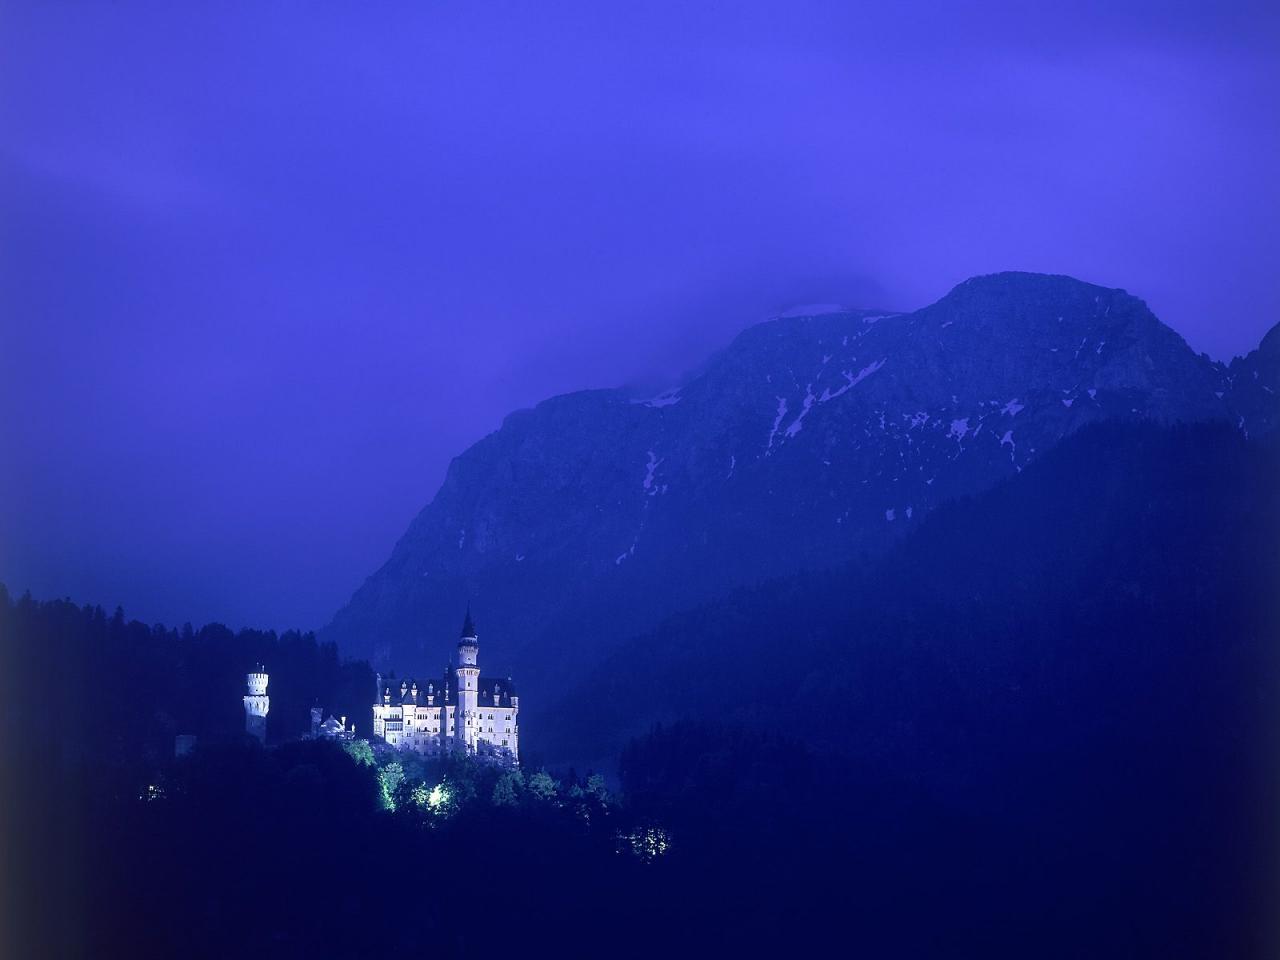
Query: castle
<point>460,711</point>
<point>331,729</point>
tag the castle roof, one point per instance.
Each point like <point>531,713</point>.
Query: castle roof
<point>504,686</point>
<point>468,627</point>
<point>404,694</point>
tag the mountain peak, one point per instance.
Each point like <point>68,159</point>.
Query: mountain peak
<point>1013,278</point>
<point>807,441</point>
<point>1031,290</point>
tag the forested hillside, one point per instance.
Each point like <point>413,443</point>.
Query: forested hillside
<point>1129,573</point>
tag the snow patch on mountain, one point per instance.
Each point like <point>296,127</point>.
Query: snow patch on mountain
<point>798,422</point>
<point>650,469</point>
<point>852,380</point>
<point>665,399</point>
<point>773,432</point>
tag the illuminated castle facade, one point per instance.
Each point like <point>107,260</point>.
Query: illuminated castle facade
<point>460,711</point>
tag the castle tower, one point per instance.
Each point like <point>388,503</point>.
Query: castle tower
<point>256,704</point>
<point>446,734</point>
<point>466,714</point>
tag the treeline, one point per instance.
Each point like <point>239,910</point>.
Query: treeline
<point>723,840</point>
<point>113,691</point>
<point>91,703</point>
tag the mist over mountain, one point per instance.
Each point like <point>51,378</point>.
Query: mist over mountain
<point>809,442</point>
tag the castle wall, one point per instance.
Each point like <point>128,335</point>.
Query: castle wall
<point>469,722</point>
<point>413,727</point>
<point>497,727</point>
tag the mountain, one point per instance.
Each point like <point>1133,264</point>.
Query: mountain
<point>1253,382</point>
<point>808,443</point>
<point>1130,561</point>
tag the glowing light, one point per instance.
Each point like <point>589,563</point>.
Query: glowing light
<point>434,800</point>
<point>647,843</point>
<point>438,798</point>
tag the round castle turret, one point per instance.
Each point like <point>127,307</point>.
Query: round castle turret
<point>257,704</point>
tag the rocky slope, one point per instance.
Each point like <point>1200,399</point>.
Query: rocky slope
<point>809,441</point>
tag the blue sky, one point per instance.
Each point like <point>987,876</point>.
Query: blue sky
<point>266,270</point>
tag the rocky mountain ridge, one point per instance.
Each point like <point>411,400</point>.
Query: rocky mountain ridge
<point>807,442</point>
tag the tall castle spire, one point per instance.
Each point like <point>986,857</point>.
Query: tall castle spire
<point>466,715</point>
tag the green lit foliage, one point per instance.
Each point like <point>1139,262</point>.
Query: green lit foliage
<point>415,767</point>
<point>438,797</point>
<point>438,802</point>
<point>597,790</point>
<point>360,752</point>
<point>543,787</point>
<point>420,796</point>
<point>509,790</point>
<point>431,790</point>
<point>390,779</point>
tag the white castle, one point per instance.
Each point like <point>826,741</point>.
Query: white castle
<point>458,712</point>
